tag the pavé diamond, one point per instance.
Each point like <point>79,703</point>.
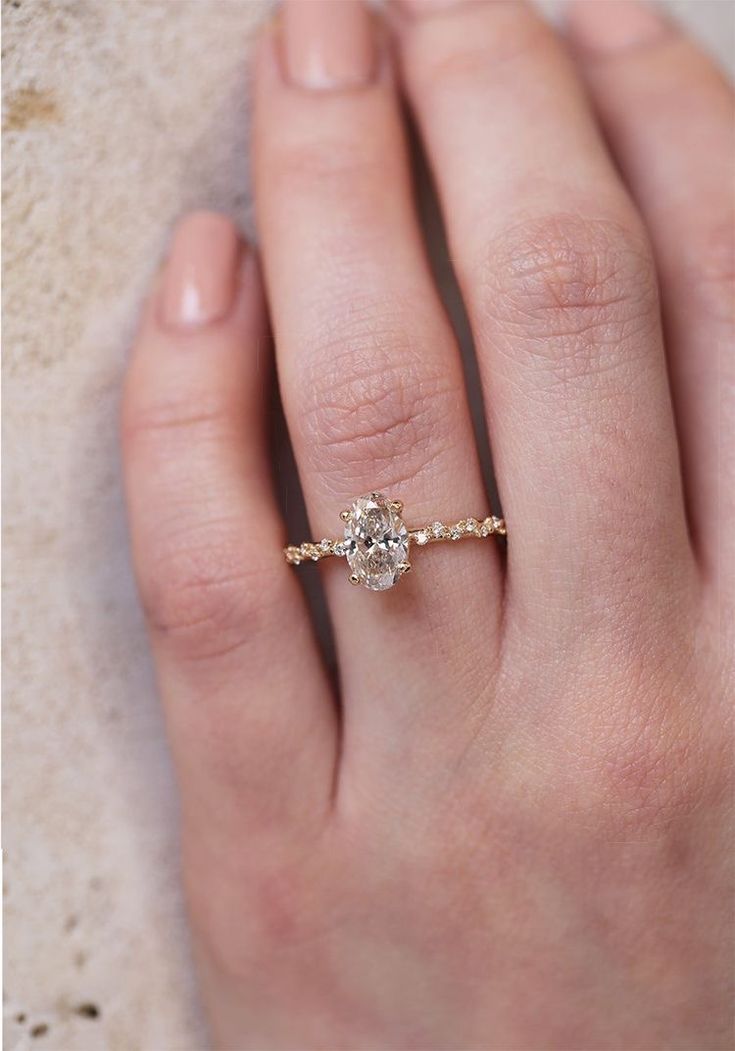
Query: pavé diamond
<point>376,542</point>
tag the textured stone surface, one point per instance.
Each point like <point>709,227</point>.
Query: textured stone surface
<point>118,116</point>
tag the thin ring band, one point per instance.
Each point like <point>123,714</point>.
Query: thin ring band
<point>376,542</point>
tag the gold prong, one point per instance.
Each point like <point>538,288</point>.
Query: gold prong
<point>397,506</point>
<point>345,515</point>
<point>354,579</point>
<point>404,567</point>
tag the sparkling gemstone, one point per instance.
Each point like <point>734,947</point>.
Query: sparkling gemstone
<point>437,529</point>
<point>376,542</point>
<point>422,537</point>
<point>471,525</point>
<point>455,533</point>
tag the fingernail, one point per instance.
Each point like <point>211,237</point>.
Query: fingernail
<point>613,25</point>
<point>429,7</point>
<point>200,274</point>
<point>327,45</point>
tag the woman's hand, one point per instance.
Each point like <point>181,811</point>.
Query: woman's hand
<point>508,826</point>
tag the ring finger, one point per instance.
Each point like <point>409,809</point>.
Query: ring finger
<point>370,376</point>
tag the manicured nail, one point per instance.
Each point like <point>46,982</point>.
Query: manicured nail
<point>327,45</point>
<point>429,7</point>
<point>613,25</point>
<point>201,272</point>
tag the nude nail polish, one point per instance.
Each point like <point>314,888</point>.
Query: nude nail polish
<point>613,25</point>
<point>201,272</point>
<point>327,45</point>
<point>430,7</point>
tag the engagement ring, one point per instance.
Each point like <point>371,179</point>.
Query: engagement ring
<point>377,542</point>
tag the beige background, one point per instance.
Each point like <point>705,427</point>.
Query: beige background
<point>117,116</point>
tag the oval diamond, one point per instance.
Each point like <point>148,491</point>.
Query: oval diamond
<point>376,542</point>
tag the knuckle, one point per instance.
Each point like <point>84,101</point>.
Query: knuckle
<point>651,779</point>
<point>640,774</point>
<point>459,61</point>
<point>643,761</point>
<point>203,599</point>
<point>282,904</point>
<point>173,419</point>
<point>381,413</point>
<point>562,278</point>
<point>344,171</point>
<point>457,68</point>
<point>713,277</point>
<point>338,164</point>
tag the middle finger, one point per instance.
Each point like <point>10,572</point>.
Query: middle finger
<point>557,275</point>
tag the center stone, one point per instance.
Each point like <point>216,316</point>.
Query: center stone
<point>376,542</point>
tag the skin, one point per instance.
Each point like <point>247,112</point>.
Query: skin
<point>509,826</point>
